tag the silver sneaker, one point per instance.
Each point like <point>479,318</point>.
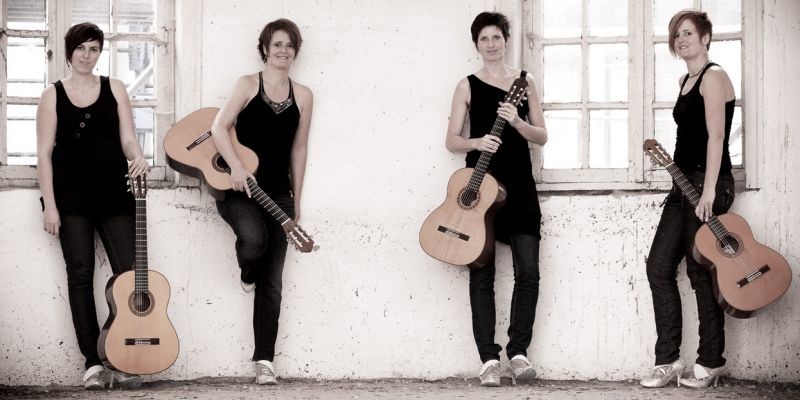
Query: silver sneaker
<point>704,377</point>
<point>664,374</point>
<point>490,373</point>
<point>521,370</point>
<point>265,373</point>
<point>95,378</point>
<point>121,380</point>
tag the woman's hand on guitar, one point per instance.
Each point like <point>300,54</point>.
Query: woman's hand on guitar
<point>508,112</point>
<point>239,177</point>
<point>488,143</point>
<point>138,167</point>
<point>705,206</point>
<point>51,221</point>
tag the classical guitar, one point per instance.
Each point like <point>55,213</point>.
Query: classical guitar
<point>191,151</point>
<point>138,337</point>
<point>459,231</point>
<point>747,275</point>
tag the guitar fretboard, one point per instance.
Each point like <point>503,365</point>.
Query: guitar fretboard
<point>140,266</point>
<point>267,202</point>
<point>691,194</point>
<point>478,173</point>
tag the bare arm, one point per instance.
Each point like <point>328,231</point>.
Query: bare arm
<point>714,89</point>
<point>458,114</point>
<point>127,135</point>
<point>220,131</point>
<point>46,122</point>
<point>305,102</point>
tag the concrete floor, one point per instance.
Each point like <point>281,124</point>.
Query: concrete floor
<point>454,388</point>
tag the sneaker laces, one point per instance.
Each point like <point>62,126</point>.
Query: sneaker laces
<point>488,364</point>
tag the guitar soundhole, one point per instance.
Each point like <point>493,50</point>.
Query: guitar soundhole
<point>219,164</point>
<point>468,198</point>
<point>730,245</point>
<point>141,303</point>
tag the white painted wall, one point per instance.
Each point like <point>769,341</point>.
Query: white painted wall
<point>369,303</point>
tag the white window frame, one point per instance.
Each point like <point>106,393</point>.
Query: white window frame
<point>641,99</point>
<point>58,14</point>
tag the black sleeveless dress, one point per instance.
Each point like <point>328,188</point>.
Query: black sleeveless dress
<point>510,165</point>
<point>89,166</point>
<point>691,142</point>
<point>270,134</point>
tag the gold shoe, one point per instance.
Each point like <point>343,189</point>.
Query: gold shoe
<point>705,376</point>
<point>664,374</point>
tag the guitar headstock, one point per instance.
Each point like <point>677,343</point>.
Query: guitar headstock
<point>298,237</point>
<point>138,186</point>
<point>657,152</point>
<point>519,88</point>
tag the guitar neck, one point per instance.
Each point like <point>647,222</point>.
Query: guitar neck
<point>483,162</point>
<point>689,191</point>
<point>262,198</point>
<point>140,265</point>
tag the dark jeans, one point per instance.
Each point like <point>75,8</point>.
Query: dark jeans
<point>525,254</point>
<point>77,245</point>
<point>674,239</point>
<point>261,252</point>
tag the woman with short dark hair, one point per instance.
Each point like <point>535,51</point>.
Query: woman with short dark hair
<point>86,145</point>
<point>517,223</point>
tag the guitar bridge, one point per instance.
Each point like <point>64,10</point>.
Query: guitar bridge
<point>755,275</point>
<point>142,341</point>
<point>454,233</point>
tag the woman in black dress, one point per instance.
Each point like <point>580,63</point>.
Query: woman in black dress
<point>84,128</point>
<point>703,113</point>
<point>479,98</point>
<point>272,115</point>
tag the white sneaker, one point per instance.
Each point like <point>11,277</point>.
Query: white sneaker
<point>520,369</point>
<point>490,373</point>
<point>95,378</point>
<point>265,373</point>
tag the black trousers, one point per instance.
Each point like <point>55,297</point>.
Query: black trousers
<point>261,252</point>
<point>525,254</point>
<point>673,241</point>
<point>77,245</point>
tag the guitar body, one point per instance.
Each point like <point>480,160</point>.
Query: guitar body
<point>190,150</point>
<point>138,339</point>
<point>770,274</point>
<point>459,234</point>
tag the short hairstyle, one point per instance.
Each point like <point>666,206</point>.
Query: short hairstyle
<point>281,24</point>
<point>700,20</point>
<point>79,34</point>
<point>485,19</point>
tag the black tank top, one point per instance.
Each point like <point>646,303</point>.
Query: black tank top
<point>270,134</point>
<point>89,166</point>
<point>510,165</point>
<point>691,142</point>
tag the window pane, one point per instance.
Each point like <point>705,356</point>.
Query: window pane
<point>27,66</point>
<point>27,14</point>
<point>665,129</point>
<point>663,10</point>
<point>144,123</point>
<point>608,72</point>
<point>135,15</point>
<point>668,72</point>
<point>21,134</point>
<point>728,55</point>
<point>95,11</point>
<point>563,139</point>
<point>562,73</point>
<point>608,139</point>
<point>561,18</point>
<point>725,15</point>
<point>736,140</point>
<point>135,67</point>
<point>608,17</point>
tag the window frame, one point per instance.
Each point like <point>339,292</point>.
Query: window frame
<point>59,20</point>
<point>641,41</point>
